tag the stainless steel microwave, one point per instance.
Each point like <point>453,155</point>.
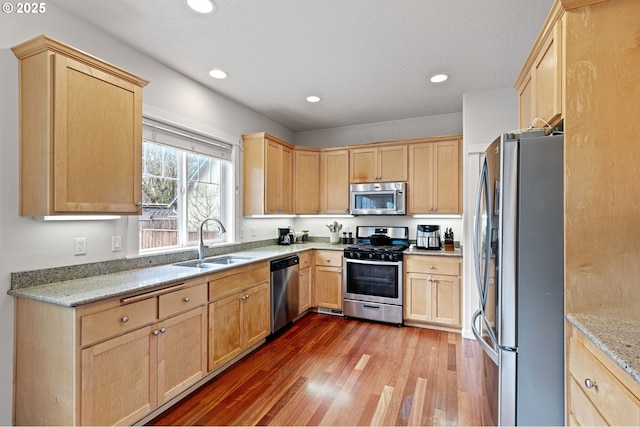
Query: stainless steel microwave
<point>378,198</point>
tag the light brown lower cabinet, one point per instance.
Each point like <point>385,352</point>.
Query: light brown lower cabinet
<point>107,363</point>
<point>598,391</point>
<point>432,291</point>
<point>328,279</point>
<point>305,282</point>
<point>239,312</point>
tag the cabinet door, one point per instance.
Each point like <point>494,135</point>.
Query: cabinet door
<point>334,184</point>
<point>417,303</point>
<point>97,140</point>
<point>328,284</point>
<point>118,386</point>
<point>256,316</point>
<point>445,300</point>
<point>525,103</point>
<point>273,177</point>
<point>286,180</point>
<point>364,165</point>
<point>306,182</point>
<point>548,78</point>
<point>225,330</point>
<point>420,178</point>
<point>304,294</point>
<point>446,178</point>
<point>392,163</point>
<point>182,352</point>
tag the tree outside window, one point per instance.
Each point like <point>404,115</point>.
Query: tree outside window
<point>179,189</point>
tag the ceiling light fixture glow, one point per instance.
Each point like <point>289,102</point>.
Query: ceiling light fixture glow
<point>313,99</point>
<point>202,6</point>
<point>218,74</point>
<point>439,78</point>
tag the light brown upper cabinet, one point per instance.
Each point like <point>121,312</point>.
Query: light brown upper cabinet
<point>306,183</point>
<point>540,82</point>
<point>334,181</point>
<point>379,163</point>
<point>267,172</point>
<point>80,132</point>
<point>434,185</point>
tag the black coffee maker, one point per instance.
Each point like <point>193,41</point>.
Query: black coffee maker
<point>285,236</point>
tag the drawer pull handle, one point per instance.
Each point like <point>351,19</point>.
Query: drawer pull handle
<point>588,383</point>
<point>187,299</point>
<point>328,260</point>
<point>163,330</point>
<point>125,319</point>
<point>156,332</point>
<point>431,267</point>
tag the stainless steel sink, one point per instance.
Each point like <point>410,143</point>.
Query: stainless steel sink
<point>216,262</point>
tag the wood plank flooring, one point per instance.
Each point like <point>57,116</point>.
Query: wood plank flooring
<point>327,370</point>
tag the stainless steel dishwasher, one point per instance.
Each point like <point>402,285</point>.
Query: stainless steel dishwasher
<point>284,291</point>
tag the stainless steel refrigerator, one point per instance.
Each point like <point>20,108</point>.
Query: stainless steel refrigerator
<point>518,248</point>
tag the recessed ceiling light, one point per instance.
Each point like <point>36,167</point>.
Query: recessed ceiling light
<point>202,6</point>
<point>439,78</point>
<point>313,99</point>
<point>218,74</point>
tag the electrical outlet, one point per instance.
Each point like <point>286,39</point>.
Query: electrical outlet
<point>80,246</point>
<point>253,231</point>
<point>241,232</point>
<point>116,243</point>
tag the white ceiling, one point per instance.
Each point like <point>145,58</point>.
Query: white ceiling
<point>369,60</point>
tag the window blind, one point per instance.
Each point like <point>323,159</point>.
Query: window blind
<point>181,138</point>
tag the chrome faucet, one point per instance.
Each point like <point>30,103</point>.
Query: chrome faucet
<point>201,245</point>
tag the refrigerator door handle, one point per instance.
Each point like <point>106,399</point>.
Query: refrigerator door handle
<point>482,277</point>
<point>486,347</point>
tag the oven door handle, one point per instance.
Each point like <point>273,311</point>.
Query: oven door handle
<point>371,262</point>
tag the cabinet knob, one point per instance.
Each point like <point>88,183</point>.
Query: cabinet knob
<point>187,299</point>
<point>431,267</point>
<point>156,332</point>
<point>163,330</point>
<point>588,383</point>
<point>301,274</point>
<point>125,319</point>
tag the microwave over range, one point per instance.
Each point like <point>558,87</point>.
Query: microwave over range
<point>378,198</point>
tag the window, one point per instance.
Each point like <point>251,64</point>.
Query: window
<point>184,180</point>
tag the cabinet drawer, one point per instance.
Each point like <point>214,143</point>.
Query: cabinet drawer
<point>582,410</point>
<point>243,279</point>
<point>306,258</point>
<point>613,400</point>
<point>432,265</point>
<point>181,300</point>
<point>117,320</point>
<point>329,258</point>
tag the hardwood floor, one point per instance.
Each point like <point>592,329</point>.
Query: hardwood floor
<point>326,370</point>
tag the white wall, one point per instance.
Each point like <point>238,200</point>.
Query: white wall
<point>485,116</point>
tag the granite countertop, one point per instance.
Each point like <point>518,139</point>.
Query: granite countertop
<point>457,252</point>
<point>617,338</point>
<point>79,291</point>
<point>76,292</point>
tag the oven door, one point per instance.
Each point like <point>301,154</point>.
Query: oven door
<point>373,281</point>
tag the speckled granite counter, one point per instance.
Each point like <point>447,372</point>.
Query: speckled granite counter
<point>617,338</point>
<point>76,292</point>
<point>104,285</point>
<point>457,252</point>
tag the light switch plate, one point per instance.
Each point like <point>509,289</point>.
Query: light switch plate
<point>116,243</point>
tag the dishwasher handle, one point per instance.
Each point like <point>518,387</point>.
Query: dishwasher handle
<point>280,263</point>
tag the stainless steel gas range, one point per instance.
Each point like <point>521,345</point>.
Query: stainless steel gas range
<point>373,274</point>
